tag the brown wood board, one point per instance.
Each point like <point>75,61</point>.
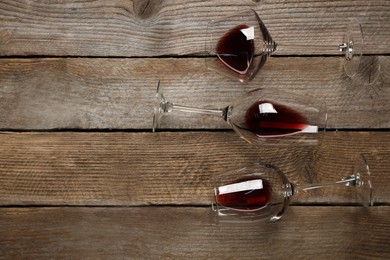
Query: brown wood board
<point>190,233</point>
<point>73,168</point>
<point>155,28</point>
<point>52,93</point>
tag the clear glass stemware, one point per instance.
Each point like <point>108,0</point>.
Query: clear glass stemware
<point>262,116</point>
<point>241,44</point>
<point>262,192</point>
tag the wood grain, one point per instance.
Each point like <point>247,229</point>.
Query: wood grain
<point>189,233</point>
<point>73,168</point>
<point>87,65</point>
<point>155,28</point>
<point>51,93</point>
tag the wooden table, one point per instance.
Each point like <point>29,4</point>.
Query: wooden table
<point>82,175</point>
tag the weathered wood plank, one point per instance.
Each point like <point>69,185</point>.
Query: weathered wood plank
<point>188,233</point>
<point>150,28</point>
<point>168,168</point>
<point>119,93</point>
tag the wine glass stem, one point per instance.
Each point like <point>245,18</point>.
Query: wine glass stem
<point>350,181</point>
<point>215,112</point>
<point>329,49</point>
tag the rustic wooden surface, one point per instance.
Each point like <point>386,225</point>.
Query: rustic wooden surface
<point>135,169</point>
<point>155,28</point>
<point>119,93</point>
<point>82,176</point>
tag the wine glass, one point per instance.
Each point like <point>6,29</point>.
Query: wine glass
<point>262,116</point>
<point>240,45</point>
<point>261,192</point>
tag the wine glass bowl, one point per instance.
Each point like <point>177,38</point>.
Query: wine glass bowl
<point>262,192</point>
<point>259,192</point>
<point>277,117</point>
<point>239,45</point>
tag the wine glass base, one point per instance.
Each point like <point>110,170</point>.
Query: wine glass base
<point>363,182</point>
<point>157,107</point>
<point>352,48</point>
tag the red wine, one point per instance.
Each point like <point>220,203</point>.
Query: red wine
<point>245,194</point>
<point>235,48</point>
<point>266,118</point>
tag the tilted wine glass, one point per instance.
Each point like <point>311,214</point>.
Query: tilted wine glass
<point>262,116</point>
<point>240,44</point>
<point>261,192</point>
